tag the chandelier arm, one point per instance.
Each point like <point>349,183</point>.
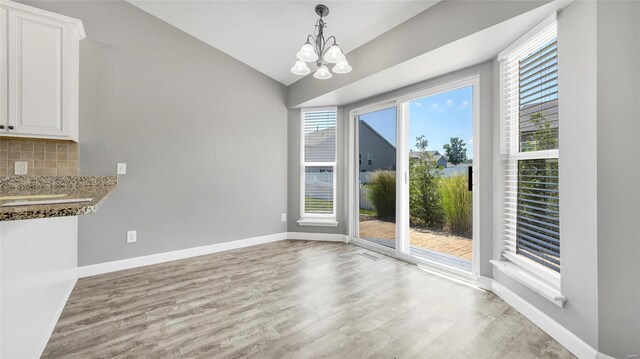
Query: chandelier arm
<point>312,38</point>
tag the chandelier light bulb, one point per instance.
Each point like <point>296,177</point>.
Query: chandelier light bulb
<point>334,54</point>
<point>300,68</point>
<point>342,67</point>
<point>322,73</point>
<point>307,53</point>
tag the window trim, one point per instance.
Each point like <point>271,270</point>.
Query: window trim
<point>537,277</point>
<point>317,219</point>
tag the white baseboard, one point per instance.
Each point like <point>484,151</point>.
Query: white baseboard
<point>561,334</point>
<point>603,356</point>
<point>114,266</point>
<point>326,237</point>
<point>52,326</point>
<point>484,282</point>
<point>129,263</point>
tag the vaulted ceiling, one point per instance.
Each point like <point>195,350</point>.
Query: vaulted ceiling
<point>266,34</point>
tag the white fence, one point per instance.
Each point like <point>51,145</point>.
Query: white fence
<point>364,199</point>
<point>365,177</point>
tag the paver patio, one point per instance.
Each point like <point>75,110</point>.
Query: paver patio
<point>443,243</point>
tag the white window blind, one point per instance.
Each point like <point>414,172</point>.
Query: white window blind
<point>318,182</point>
<point>529,152</point>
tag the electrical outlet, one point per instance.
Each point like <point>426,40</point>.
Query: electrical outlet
<point>132,236</point>
<point>121,169</point>
<point>20,168</point>
<point>284,217</point>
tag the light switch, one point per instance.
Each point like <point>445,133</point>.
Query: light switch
<point>121,169</point>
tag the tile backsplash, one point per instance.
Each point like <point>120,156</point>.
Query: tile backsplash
<point>43,157</point>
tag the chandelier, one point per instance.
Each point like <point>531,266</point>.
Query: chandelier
<point>321,51</point>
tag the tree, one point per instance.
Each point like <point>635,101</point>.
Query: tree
<point>424,197</point>
<point>543,136</point>
<point>456,151</point>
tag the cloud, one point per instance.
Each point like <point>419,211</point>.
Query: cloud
<point>470,141</point>
<point>417,103</point>
<point>465,103</point>
<point>449,102</point>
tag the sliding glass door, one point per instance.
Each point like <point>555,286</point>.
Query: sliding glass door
<point>440,160</point>
<point>376,176</point>
<point>413,175</point>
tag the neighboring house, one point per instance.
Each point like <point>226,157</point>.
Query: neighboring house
<point>318,145</point>
<point>376,153</point>
<point>438,158</point>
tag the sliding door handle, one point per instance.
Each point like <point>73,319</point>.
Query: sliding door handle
<point>470,178</point>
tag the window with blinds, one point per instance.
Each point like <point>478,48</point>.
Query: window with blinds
<point>530,153</point>
<point>318,182</point>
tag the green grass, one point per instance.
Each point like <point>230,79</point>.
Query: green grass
<point>367,212</point>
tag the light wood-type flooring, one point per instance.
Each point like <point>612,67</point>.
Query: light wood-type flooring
<point>290,299</point>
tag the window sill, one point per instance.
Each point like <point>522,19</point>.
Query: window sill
<point>531,281</point>
<point>318,222</point>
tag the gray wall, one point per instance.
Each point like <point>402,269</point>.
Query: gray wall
<point>577,93</point>
<point>618,193</point>
<point>203,135</point>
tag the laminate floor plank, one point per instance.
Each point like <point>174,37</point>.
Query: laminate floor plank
<point>290,299</point>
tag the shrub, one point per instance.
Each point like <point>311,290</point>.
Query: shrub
<point>382,193</point>
<point>424,198</point>
<point>456,205</point>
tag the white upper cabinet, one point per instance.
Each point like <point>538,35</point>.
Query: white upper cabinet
<point>39,66</point>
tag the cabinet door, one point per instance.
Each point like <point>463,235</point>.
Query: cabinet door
<point>4,110</point>
<point>38,76</point>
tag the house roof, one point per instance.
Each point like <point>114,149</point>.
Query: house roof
<point>434,154</point>
<point>318,137</point>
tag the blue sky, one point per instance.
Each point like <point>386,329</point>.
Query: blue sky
<point>439,117</point>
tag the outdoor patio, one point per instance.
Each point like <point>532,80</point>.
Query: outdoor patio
<point>455,246</point>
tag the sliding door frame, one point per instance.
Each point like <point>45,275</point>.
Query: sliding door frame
<point>402,244</point>
<point>354,138</point>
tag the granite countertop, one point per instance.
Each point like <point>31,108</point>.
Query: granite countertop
<point>96,187</point>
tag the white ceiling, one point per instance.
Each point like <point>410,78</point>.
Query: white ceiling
<point>267,34</point>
